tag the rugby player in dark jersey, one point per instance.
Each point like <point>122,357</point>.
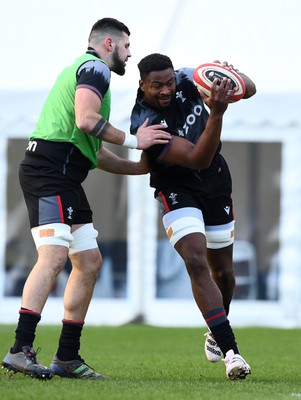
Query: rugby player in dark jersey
<point>193,187</point>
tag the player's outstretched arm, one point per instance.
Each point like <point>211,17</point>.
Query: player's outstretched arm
<point>110,162</point>
<point>87,106</point>
<point>199,156</point>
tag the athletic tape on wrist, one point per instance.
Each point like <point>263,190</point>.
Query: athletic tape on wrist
<point>130,141</point>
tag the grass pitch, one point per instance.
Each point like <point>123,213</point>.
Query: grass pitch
<point>151,363</point>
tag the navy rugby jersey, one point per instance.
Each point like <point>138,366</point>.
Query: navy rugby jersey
<point>186,116</point>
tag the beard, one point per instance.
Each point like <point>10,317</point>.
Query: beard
<point>118,64</point>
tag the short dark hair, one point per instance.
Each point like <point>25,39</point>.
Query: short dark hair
<point>110,26</point>
<point>154,62</point>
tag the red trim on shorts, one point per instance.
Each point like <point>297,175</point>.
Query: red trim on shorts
<point>164,202</point>
<point>59,202</point>
<point>233,214</point>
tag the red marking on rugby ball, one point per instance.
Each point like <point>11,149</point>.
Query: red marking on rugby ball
<point>205,74</point>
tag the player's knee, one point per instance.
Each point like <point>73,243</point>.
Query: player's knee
<point>196,265</point>
<point>57,263</point>
<point>225,275</point>
<point>96,263</point>
<point>52,259</point>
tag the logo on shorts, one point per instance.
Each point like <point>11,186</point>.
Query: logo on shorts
<point>227,209</point>
<point>173,198</point>
<point>70,212</point>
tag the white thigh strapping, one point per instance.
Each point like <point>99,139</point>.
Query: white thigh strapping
<point>52,234</point>
<point>181,222</point>
<point>220,236</point>
<point>84,238</point>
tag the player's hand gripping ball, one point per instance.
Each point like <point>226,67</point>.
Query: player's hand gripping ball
<point>205,74</point>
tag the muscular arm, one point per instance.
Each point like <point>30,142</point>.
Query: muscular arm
<point>199,156</point>
<point>110,162</point>
<point>186,154</point>
<point>87,106</point>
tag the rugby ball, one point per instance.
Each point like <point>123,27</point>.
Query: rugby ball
<point>204,75</point>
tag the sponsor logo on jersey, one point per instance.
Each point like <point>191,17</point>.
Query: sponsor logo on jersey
<point>191,118</point>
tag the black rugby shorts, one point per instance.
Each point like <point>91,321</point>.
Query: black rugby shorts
<point>214,197</point>
<point>51,197</point>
